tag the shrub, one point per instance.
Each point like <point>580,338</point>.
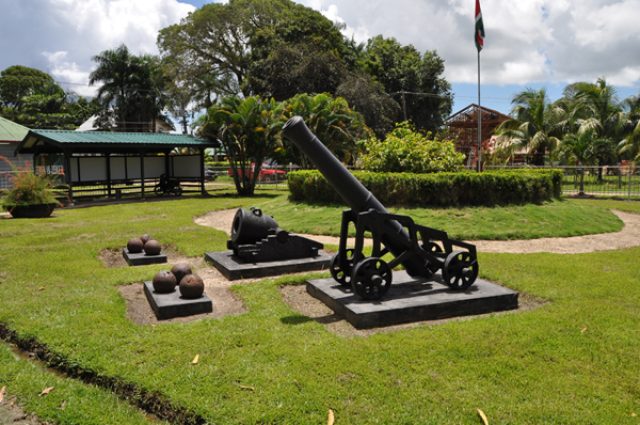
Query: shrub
<point>407,150</point>
<point>29,189</point>
<point>437,189</point>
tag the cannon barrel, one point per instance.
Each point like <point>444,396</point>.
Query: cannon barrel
<point>352,192</point>
<point>249,226</point>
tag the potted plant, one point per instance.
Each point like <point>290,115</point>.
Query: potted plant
<point>31,196</point>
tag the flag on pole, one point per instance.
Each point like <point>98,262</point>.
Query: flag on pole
<point>479,36</point>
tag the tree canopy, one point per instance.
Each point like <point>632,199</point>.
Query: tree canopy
<point>131,92</point>
<point>32,98</point>
<point>278,48</point>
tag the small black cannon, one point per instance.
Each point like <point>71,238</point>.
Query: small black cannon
<point>421,250</point>
<point>256,237</point>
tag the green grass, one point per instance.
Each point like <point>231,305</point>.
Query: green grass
<point>70,402</point>
<point>558,218</point>
<point>573,360</point>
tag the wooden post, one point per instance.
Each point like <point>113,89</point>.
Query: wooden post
<point>67,175</point>
<point>142,175</point>
<point>202,189</point>
<point>108,160</point>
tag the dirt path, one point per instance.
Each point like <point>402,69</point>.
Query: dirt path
<point>628,237</point>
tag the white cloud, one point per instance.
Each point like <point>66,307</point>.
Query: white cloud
<point>527,41</point>
<point>62,36</point>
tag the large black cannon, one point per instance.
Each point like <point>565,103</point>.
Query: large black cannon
<point>421,250</point>
<point>256,237</point>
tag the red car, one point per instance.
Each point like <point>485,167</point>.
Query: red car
<point>267,173</point>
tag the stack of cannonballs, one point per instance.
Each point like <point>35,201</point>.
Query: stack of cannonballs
<point>191,285</point>
<point>144,243</point>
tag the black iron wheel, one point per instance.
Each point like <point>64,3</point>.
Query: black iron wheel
<point>460,270</point>
<point>177,191</point>
<point>342,272</point>
<point>158,190</point>
<point>371,278</point>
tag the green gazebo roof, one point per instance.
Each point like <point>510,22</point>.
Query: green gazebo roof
<point>106,141</point>
<point>11,131</point>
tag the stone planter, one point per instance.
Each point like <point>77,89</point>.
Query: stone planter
<point>31,211</point>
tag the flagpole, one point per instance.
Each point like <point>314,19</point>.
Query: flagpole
<point>479,120</point>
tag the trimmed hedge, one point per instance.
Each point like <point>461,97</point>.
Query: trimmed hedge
<point>437,189</point>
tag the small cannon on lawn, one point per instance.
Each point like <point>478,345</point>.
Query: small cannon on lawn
<point>421,250</point>
<point>256,237</point>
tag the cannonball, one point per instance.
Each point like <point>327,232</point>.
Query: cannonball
<point>145,238</point>
<point>135,245</point>
<point>164,282</point>
<point>152,247</point>
<point>191,286</point>
<point>180,270</point>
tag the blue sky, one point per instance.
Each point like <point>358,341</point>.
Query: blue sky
<point>529,43</point>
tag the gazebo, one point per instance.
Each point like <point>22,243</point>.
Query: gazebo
<point>463,126</point>
<point>100,163</point>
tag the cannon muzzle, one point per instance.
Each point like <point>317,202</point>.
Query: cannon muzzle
<point>249,226</point>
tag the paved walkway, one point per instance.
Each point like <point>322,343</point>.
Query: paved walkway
<point>628,237</point>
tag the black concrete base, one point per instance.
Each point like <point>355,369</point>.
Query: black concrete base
<point>142,259</point>
<point>234,268</point>
<point>409,300</point>
<point>167,306</point>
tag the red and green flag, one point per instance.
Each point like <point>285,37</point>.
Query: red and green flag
<point>479,37</point>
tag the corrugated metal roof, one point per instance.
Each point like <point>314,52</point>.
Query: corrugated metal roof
<point>116,138</point>
<point>11,131</point>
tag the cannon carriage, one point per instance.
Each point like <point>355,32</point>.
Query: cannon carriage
<point>397,239</point>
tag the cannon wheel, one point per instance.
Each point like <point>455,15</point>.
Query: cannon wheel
<point>371,278</point>
<point>342,272</point>
<point>460,270</point>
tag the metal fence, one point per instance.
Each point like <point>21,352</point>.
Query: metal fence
<point>610,181</point>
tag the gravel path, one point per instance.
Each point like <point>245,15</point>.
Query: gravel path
<point>628,237</point>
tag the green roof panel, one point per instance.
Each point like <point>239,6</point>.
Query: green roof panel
<point>11,131</point>
<point>108,137</point>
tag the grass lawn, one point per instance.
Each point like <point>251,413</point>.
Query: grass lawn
<point>558,218</point>
<point>573,360</point>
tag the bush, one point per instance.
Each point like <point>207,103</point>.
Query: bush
<point>29,189</point>
<point>407,150</point>
<point>437,189</point>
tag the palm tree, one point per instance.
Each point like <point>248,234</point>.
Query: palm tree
<point>248,129</point>
<point>131,93</point>
<point>581,148</point>
<point>331,120</point>
<point>600,112</point>
<point>630,144</point>
<point>531,127</point>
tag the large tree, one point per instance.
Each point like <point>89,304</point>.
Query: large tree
<point>131,91</point>
<point>414,80</point>
<point>32,98</point>
<point>243,45</point>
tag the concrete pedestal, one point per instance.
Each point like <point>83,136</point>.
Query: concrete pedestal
<point>142,259</point>
<point>410,300</point>
<point>167,306</point>
<point>234,268</point>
